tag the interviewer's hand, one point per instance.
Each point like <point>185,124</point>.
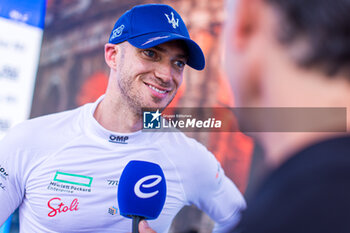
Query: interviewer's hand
<point>145,228</point>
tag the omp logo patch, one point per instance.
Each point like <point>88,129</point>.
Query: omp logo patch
<point>118,139</point>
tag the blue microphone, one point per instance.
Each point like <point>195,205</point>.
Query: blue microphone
<point>141,191</point>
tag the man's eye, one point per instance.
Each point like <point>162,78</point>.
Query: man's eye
<point>149,53</point>
<point>180,64</point>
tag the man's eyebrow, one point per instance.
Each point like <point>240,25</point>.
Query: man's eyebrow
<point>160,49</point>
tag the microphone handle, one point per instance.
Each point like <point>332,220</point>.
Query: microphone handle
<point>135,223</point>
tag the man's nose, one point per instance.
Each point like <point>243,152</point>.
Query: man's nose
<point>164,72</point>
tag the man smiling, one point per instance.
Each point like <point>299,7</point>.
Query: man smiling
<point>140,78</point>
<point>64,179</point>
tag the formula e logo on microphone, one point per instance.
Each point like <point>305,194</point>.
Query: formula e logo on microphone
<point>140,183</point>
<point>118,139</point>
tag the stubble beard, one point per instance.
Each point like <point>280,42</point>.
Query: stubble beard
<point>133,97</point>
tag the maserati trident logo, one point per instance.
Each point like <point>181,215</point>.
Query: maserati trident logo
<point>172,21</point>
<point>141,182</point>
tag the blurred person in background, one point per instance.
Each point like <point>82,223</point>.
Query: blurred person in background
<point>62,169</point>
<point>294,53</point>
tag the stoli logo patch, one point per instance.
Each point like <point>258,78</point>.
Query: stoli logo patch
<point>57,206</point>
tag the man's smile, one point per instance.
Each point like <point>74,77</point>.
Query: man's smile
<point>158,89</point>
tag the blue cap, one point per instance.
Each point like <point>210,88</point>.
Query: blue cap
<point>149,25</point>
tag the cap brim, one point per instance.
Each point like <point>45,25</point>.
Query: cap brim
<point>196,58</point>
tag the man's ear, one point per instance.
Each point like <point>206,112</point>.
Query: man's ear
<point>111,51</point>
<point>246,19</point>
